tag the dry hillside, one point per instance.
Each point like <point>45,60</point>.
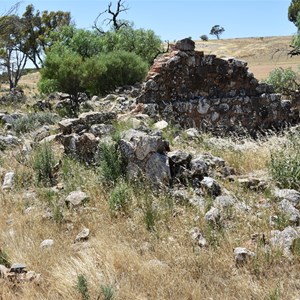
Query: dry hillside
<point>263,54</point>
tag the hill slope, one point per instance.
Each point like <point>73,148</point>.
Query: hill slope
<point>263,54</point>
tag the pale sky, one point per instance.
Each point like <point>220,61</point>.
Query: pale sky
<point>176,19</point>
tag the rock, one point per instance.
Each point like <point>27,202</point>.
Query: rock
<point>95,98</point>
<point>192,133</point>
<point>90,118</point>
<point>47,243</point>
<point>157,169</point>
<point>198,238</point>
<point>149,144</point>
<point>185,45</point>
<point>160,125</point>
<point>11,118</point>
<point>86,147</point>
<point>242,256</point>
<point>67,125</point>
<point>8,181</point>
<point>212,186</point>
<point>213,215</point>
<point>292,196</point>
<point>199,167</point>
<point>179,164</point>
<point>284,239</point>
<point>8,141</point>
<point>76,198</point>
<point>17,268</point>
<point>290,211</point>
<point>41,133</point>
<point>224,201</point>
<point>110,97</point>
<point>100,130</point>
<point>83,235</point>
<point>70,143</point>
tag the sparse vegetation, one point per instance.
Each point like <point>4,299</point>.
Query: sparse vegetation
<point>33,121</point>
<point>43,163</point>
<point>285,163</point>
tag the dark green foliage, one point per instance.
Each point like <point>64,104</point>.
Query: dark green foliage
<point>285,164</point>
<point>62,71</point>
<point>284,81</point>
<point>82,287</point>
<point>43,163</point>
<point>66,71</point>
<point>204,37</point>
<point>105,72</point>
<point>4,259</point>
<point>144,43</point>
<point>293,11</point>
<point>110,162</point>
<point>217,30</point>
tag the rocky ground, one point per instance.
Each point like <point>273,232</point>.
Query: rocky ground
<point>114,205</point>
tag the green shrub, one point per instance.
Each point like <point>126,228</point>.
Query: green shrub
<point>103,73</point>
<point>43,163</point>
<point>4,259</point>
<point>82,287</point>
<point>204,37</point>
<point>107,292</point>
<point>283,80</point>
<point>119,198</point>
<point>32,121</point>
<point>285,164</point>
<point>110,163</point>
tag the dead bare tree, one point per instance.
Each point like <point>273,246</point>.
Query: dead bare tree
<point>114,19</point>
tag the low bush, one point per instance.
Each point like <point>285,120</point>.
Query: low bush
<point>110,163</point>
<point>32,121</point>
<point>119,198</point>
<point>43,162</point>
<point>284,81</point>
<point>285,164</point>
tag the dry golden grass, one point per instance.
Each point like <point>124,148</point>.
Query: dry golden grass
<point>263,54</point>
<point>136,263</point>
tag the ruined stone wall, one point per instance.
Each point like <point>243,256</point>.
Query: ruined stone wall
<point>203,91</point>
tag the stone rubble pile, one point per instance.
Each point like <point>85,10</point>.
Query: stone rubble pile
<point>213,94</point>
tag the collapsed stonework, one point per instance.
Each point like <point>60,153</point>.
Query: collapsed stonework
<point>211,93</point>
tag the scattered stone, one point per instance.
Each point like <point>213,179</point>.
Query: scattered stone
<point>8,181</point>
<point>100,130</point>
<point>47,243</point>
<point>213,215</point>
<point>8,141</point>
<point>160,125</point>
<point>76,198</point>
<point>292,196</point>
<point>198,238</point>
<point>110,97</point>
<point>224,201</point>
<point>284,239</point>
<point>83,235</point>
<point>212,186</point>
<point>290,211</point>
<point>157,169</point>
<point>242,256</point>
<point>17,268</point>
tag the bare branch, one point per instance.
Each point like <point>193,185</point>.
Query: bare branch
<point>114,17</point>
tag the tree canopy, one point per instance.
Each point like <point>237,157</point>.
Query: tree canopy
<point>293,11</point>
<point>217,30</point>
